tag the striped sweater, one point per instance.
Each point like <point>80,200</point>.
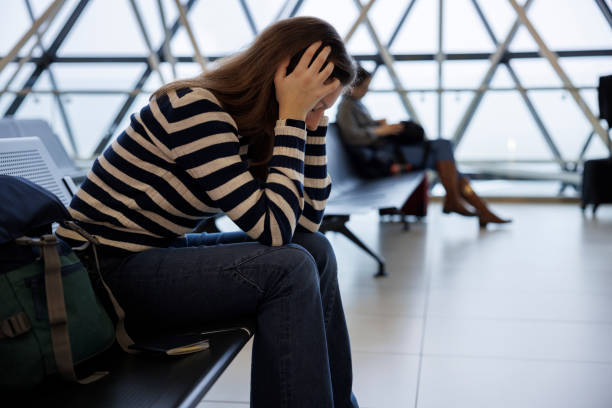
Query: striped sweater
<point>181,160</point>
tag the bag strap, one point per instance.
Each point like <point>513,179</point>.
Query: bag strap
<point>58,321</point>
<point>123,338</point>
<point>56,307</point>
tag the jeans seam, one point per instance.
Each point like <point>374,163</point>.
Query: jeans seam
<point>332,304</point>
<point>237,271</point>
<point>285,369</point>
<point>267,251</point>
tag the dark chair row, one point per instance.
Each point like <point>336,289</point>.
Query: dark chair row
<point>352,194</point>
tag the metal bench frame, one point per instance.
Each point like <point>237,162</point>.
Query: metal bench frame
<point>352,194</point>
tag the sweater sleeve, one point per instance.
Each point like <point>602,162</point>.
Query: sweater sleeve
<point>202,139</point>
<point>317,183</point>
<point>353,132</point>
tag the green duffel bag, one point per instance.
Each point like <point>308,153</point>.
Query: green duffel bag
<point>50,317</point>
<point>45,296</point>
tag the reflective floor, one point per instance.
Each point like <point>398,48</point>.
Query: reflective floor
<point>517,316</point>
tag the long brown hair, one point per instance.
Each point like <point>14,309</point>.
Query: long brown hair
<point>244,83</point>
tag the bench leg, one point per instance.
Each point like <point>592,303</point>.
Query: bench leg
<point>405,222</point>
<point>381,262</point>
<point>337,223</point>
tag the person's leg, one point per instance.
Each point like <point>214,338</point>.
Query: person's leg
<point>335,324</point>
<point>440,156</point>
<point>338,344</point>
<point>181,288</point>
<point>414,155</point>
<point>485,215</point>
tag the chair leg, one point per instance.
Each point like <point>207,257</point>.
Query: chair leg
<point>381,262</point>
<point>405,222</point>
<point>338,224</point>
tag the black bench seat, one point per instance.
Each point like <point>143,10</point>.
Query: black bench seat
<point>144,380</point>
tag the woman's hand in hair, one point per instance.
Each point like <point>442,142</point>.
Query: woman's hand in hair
<point>298,93</point>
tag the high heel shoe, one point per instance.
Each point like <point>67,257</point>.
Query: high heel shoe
<point>458,208</point>
<point>485,216</point>
<point>490,218</point>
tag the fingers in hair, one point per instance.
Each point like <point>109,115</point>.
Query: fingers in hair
<point>307,57</point>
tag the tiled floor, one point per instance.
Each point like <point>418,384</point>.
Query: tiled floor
<point>519,316</point>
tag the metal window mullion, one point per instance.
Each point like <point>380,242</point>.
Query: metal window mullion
<point>296,8</point>
<point>283,10</point>
<point>530,106</point>
<point>495,60</point>
<point>54,86</point>
<point>153,60</point>
<point>47,59</point>
<point>28,34</point>
<point>129,59</point>
<point>127,104</point>
<point>166,47</point>
<point>388,60</point>
<point>363,13</point>
<point>185,22</point>
<point>108,91</point>
<point>554,62</point>
<point>605,11</point>
<point>440,61</point>
<point>547,137</point>
<point>400,24</point>
<point>29,56</point>
<point>396,31</point>
<point>586,145</point>
<point>249,16</point>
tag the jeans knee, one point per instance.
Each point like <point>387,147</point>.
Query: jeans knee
<point>442,149</point>
<point>321,250</point>
<point>442,145</point>
<point>301,268</point>
<point>315,243</point>
<point>322,243</point>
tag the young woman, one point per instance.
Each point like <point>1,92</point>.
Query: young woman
<point>382,141</point>
<point>247,139</point>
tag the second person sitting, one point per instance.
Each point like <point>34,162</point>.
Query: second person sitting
<point>382,149</point>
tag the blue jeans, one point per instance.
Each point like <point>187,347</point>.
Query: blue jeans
<point>301,351</point>
<point>436,150</point>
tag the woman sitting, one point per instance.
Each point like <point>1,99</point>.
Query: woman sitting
<point>387,149</point>
<point>247,139</point>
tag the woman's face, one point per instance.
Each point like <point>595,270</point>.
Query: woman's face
<point>314,116</point>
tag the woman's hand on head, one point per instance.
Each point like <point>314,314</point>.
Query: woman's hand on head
<point>298,93</point>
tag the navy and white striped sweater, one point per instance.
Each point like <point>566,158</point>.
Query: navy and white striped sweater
<point>182,160</point>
